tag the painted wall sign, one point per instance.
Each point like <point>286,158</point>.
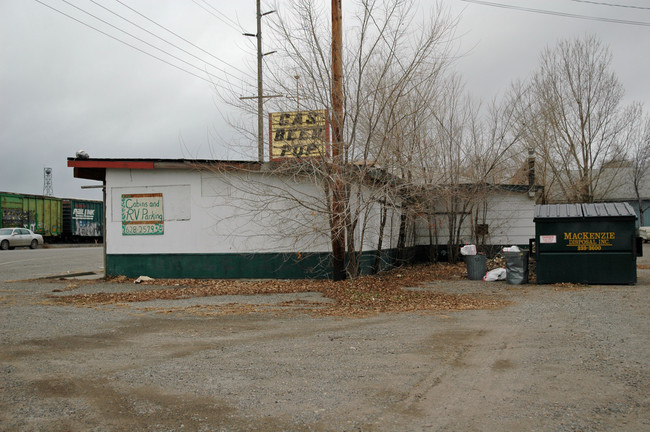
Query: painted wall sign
<point>142,214</point>
<point>592,241</point>
<point>298,134</point>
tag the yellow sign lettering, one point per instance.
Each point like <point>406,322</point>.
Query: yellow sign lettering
<point>588,240</point>
<point>299,134</point>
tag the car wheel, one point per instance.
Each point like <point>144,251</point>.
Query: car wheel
<point>4,245</point>
<point>33,244</point>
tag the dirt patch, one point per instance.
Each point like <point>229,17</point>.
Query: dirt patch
<point>557,358</point>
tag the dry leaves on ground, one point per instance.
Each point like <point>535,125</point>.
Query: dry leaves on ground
<point>364,295</point>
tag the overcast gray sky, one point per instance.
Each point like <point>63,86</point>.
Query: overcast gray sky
<point>65,87</point>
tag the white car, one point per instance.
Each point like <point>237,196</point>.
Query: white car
<point>17,237</point>
<point>644,233</point>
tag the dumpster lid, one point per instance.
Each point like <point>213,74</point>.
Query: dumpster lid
<point>596,210</point>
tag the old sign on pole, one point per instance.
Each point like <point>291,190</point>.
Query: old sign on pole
<point>299,134</point>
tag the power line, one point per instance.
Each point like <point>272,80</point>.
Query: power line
<point>121,41</point>
<point>185,40</point>
<point>234,25</point>
<point>612,4</point>
<point>145,42</point>
<point>562,14</point>
<point>160,38</point>
<point>136,48</point>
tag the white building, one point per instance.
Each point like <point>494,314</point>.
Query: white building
<point>209,219</point>
<point>217,219</point>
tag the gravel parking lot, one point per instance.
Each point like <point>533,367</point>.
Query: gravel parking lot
<point>558,358</point>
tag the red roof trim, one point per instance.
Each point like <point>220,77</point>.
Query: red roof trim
<point>110,164</point>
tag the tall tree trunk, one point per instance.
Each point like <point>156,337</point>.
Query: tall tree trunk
<point>401,239</point>
<point>382,224</point>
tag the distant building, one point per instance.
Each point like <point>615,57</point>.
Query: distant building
<point>615,183</point>
<point>621,178</point>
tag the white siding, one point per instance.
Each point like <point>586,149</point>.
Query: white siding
<point>232,212</point>
<point>179,189</point>
<point>509,219</point>
<point>252,212</point>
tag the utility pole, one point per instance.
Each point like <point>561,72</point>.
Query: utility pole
<point>338,202</point>
<point>260,92</point>
<point>260,89</point>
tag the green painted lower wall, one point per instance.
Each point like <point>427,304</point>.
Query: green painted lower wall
<point>259,265</point>
<point>236,266</point>
<point>220,266</point>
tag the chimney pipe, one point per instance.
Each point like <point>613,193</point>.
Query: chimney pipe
<point>531,167</point>
<point>531,173</point>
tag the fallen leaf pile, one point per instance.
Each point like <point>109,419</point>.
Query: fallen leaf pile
<point>496,262</point>
<point>569,286</point>
<point>360,296</point>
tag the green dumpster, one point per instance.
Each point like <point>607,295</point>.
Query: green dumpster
<point>585,243</point>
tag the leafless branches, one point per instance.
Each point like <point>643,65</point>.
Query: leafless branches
<point>574,116</point>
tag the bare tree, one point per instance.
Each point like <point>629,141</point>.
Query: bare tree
<point>573,116</point>
<point>496,152</point>
<point>470,149</point>
<point>638,138</point>
<point>392,62</point>
<point>641,167</point>
<point>453,114</point>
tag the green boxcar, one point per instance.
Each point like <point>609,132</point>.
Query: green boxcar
<point>586,243</point>
<point>82,220</point>
<point>41,214</point>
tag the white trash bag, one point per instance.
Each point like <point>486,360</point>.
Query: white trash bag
<point>468,250</point>
<point>495,275</point>
<point>143,279</point>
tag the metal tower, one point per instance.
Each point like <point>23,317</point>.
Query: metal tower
<point>48,190</point>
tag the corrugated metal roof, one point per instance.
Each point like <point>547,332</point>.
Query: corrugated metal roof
<point>553,211</point>
<point>561,211</point>
<point>608,210</point>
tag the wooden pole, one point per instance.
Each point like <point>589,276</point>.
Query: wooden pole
<point>338,201</point>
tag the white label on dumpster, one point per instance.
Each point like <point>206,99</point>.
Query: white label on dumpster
<point>548,239</point>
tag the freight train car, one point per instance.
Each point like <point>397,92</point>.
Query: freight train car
<point>56,219</point>
<point>41,214</point>
<point>82,220</point>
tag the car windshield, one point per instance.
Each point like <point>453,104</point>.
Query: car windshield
<point>5,231</point>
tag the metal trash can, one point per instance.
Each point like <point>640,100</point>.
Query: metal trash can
<point>516,267</point>
<point>476,266</point>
